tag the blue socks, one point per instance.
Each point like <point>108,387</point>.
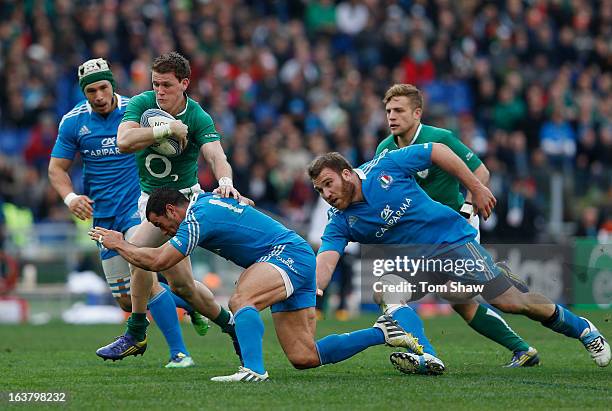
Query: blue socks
<point>338,347</point>
<point>566,322</point>
<point>335,348</point>
<point>163,311</point>
<point>408,319</point>
<point>250,330</point>
<point>178,301</point>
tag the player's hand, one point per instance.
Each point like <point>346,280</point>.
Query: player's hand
<point>246,200</point>
<point>179,131</point>
<point>108,238</point>
<point>226,189</point>
<point>81,206</point>
<point>483,201</point>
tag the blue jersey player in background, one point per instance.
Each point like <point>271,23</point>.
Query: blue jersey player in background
<point>111,192</point>
<point>381,203</point>
<point>279,273</point>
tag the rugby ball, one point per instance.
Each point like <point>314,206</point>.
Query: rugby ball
<point>156,117</point>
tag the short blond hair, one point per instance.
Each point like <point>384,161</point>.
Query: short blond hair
<point>405,90</point>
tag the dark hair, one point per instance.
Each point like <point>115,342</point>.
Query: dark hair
<point>405,90</point>
<point>172,62</point>
<point>334,161</point>
<point>160,197</point>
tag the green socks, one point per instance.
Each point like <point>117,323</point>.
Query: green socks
<point>488,323</point>
<point>223,321</point>
<point>137,326</point>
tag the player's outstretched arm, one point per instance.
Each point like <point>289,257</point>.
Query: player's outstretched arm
<point>217,160</point>
<point>482,199</point>
<point>131,137</point>
<point>79,205</point>
<point>150,259</point>
<point>326,264</point>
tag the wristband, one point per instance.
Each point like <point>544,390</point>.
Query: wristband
<point>160,133</point>
<point>467,209</point>
<point>69,197</point>
<point>226,181</point>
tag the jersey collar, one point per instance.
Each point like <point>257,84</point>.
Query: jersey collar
<point>119,100</point>
<point>416,135</point>
<point>360,173</point>
<point>192,201</point>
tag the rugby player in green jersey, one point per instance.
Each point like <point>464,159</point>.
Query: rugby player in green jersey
<point>195,131</point>
<point>404,108</point>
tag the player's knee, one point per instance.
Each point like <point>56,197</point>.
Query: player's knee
<point>304,360</point>
<point>239,300</point>
<point>185,290</point>
<point>125,302</point>
<point>378,297</point>
<point>463,310</point>
<point>512,307</point>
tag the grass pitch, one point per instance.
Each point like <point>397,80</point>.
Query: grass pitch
<point>59,357</point>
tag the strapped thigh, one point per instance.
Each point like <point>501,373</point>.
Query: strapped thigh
<point>117,273</point>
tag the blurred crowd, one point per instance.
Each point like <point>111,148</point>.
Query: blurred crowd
<point>526,84</point>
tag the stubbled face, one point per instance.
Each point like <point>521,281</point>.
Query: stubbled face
<point>336,189</point>
<point>100,96</point>
<point>401,117</point>
<point>168,90</point>
<point>168,223</point>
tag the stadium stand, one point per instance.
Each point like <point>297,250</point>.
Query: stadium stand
<point>526,84</point>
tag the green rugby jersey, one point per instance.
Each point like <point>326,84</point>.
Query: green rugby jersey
<point>156,170</point>
<point>437,183</point>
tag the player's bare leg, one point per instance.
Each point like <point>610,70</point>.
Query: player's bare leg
<point>295,331</point>
<point>258,287</point>
<point>180,279</point>
<point>194,292</point>
<point>147,293</point>
<point>262,285</point>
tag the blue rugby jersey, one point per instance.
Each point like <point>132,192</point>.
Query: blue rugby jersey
<point>395,209</point>
<point>237,232</point>
<point>110,178</point>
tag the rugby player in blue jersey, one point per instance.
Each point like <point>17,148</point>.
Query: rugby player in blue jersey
<point>279,273</point>
<point>381,203</point>
<point>111,193</point>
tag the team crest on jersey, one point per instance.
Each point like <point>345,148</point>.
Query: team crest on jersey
<point>84,131</point>
<point>385,180</point>
<point>352,220</point>
<point>423,174</point>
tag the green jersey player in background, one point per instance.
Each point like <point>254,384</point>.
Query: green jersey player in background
<point>404,108</point>
<point>195,131</point>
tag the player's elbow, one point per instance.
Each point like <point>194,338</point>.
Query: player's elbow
<point>155,264</point>
<point>158,266</point>
<point>51,170</point>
